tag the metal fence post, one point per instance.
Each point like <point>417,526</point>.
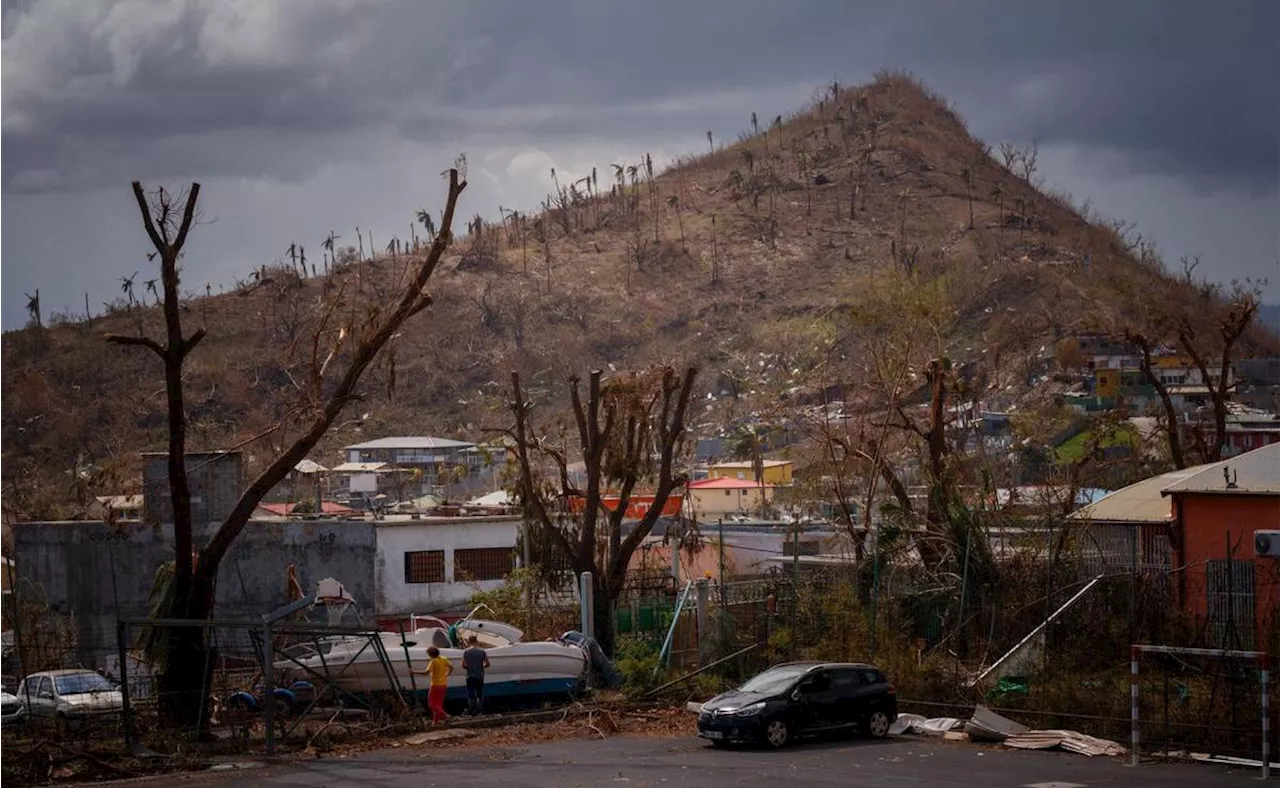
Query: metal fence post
<point>1135,654</point>
<point>126,710</point>
<point>1266,716</point>
<point>586,595</point>
<point>268,688</point>
<point>704,601</point>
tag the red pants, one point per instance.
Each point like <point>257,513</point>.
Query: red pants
<point>435,702</point>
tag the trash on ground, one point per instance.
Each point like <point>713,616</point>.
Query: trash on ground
<point>987,726</point>
<point>915,723</point>
<point>1071,741</point>
<point>448,734</point>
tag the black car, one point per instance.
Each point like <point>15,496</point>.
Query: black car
<point>799,699</point>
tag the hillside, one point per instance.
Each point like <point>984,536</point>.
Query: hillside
<point>1269,315</point>
<point>781,261</point>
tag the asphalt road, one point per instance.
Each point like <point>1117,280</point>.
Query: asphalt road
<point>672,763</point>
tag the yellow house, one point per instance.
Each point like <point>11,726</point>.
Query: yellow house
<point>1106,382</point>
<point>775,471</point>
<point>712,498</point>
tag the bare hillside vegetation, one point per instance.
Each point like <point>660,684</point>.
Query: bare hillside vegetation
<point>773,263</point>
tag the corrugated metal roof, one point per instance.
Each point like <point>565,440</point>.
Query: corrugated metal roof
<point>1253,473</point>
<point>409,442</point>
<point>1143,502</point>
<point>360,467</point>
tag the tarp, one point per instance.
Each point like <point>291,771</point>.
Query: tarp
<point>915,723</point>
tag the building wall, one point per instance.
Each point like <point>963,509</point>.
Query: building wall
<point>216,480</point>
<point>773,474</point>
<point>395,596</point>
<point>1209,523</point>
<point>710,504</point>
<point>1243,440</point>
<point>95,573</point>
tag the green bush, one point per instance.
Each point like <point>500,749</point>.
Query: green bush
<point>637,660</point>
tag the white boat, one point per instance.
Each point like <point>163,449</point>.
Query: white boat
<point>355,665</point>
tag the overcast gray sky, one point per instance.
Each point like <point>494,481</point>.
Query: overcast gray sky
<point>298,116</point>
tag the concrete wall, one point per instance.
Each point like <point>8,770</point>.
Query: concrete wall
<point>397,537</point>
<point>95,572</point>
<point>710,503</point>
<point>216,481</point>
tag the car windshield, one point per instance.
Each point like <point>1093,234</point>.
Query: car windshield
<point>78,683</point>
<point>775,679</point>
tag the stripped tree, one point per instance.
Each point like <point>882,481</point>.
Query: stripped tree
<point>339,354</point>
<point>620,427</point>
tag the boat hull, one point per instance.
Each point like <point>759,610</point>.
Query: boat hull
<point>519,669</point>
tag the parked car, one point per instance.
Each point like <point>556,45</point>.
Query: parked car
<point>798,699</point>
<point>67,697</point>
<point>11,710</point>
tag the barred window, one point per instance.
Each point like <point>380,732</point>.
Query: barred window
<point>424,566</point>
<point>483,563</point>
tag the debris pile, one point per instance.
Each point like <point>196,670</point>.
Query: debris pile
<point>987,726</point>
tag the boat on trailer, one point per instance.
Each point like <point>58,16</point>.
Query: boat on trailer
<point>516,668</point>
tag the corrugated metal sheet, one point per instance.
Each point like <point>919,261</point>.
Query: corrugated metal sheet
<point>1142,548</point>
<point>1255,472</point>
<point>1067,740</point>
<point>1143,502</point>
<point>1231,604</point>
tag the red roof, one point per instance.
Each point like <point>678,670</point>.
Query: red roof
<point>285,509</point>
<point>726,484</point>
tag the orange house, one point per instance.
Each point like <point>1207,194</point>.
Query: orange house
<point>1224,582</point>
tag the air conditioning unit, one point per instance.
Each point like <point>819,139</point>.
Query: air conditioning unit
<point>1267,544</point>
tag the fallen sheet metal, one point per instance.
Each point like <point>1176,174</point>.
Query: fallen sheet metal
<point>447,734</point>
<point>1072,741</point>
<point>986,725</point>
<point>915,723</point>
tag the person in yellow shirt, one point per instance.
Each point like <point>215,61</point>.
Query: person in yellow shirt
<point>438,668</point>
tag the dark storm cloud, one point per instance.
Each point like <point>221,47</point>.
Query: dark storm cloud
<point>1176,88</point>
<point>1180,88</point>
<point>299,115</point>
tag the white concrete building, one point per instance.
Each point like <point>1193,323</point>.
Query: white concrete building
<point>432,563</point>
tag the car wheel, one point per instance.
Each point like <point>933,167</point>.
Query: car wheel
<point>877,725</point>
<point>776,734</point>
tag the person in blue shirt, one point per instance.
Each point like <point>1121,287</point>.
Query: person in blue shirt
<point>474,661</point>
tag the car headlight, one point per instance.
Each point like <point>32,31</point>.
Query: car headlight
<point>750,711</point>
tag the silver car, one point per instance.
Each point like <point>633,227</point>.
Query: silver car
<point>69,697</point>
<point>11,710</point>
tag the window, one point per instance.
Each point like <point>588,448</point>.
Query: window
<point>424,566</point>
<point>728,492</point>
<point>483,563</point>
<point>846,680</point>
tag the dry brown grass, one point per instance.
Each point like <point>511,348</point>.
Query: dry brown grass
<point>782,281</point>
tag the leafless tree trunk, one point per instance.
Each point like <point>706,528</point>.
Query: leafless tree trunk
<point>616,426</point>
<point>324,399</point>
<point>1174,431</point>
